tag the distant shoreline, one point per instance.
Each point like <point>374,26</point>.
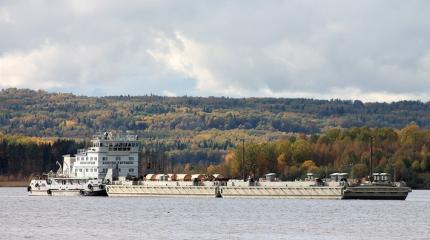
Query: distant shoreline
<point>13,183</point>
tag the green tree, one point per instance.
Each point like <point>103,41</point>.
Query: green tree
<point>301,150</point>
<point>360,170</point>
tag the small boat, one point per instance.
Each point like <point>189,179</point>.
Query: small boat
<point>63,186</point>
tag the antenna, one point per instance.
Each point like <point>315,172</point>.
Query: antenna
<point>371,159</point>
<point>243,158</point>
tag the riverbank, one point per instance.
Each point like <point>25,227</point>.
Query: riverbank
<point>13,183</point>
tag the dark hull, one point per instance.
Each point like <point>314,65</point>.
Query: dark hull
<point>102,193</point>
<point>376,193</point>
<point>376,197</point>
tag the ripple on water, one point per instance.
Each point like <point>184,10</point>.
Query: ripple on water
<point>24,217</point>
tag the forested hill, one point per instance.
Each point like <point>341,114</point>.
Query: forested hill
<point>198,135</point>
<point>39,113</point>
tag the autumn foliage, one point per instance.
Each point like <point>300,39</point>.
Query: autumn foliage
<point>404,153</point>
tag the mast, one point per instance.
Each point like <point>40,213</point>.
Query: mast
<point>243,158</point>
<point>371,159</point>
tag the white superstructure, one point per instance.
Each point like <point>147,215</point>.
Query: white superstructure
<point>119,153</point>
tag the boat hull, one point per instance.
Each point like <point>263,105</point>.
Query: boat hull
<point>376,193</point>
<point>66,193</point>
<point>35,192</point>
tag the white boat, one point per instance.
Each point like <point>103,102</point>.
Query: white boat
<point>91,168</point>
<point>61,186</point>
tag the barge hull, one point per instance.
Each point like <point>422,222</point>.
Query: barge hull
<point>101,193</point>
<point>283,192</point>
<point>376,193</point>
<point>375,197</point>
<point>129,191</point>
<point>226,192</point>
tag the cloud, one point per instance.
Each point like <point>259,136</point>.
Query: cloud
<point>187,57</point>
<point>5,16</point>
<point>169,93</point>
<point>54,65</point>
<point>374,51</point>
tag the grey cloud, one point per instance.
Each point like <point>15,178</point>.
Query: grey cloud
<point>373,50</point>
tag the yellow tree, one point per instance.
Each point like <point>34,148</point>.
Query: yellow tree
<point>310,166</point>
<point>281,162</point>
<point>232,164</point>
<point>211,169</point>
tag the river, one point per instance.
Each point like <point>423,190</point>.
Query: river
<point>78,218</point>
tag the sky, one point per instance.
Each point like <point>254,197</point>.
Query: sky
<point>363,49</point>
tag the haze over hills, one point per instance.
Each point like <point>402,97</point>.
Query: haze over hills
<point>40,113</point>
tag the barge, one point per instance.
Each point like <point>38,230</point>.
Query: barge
<point>92,170</point>
<point>312,188</point>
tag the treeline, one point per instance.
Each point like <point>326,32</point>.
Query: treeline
<point>39,113</point>
<point>22,157</point>
<point>405,154</point>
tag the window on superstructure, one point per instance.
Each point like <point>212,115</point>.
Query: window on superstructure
<point>86,169</point>
<point>131,158</point>
<point>95,158</point>
<point>118,158</point>
<point>131,169</point>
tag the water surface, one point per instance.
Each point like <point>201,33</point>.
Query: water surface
<point>24,217</point>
